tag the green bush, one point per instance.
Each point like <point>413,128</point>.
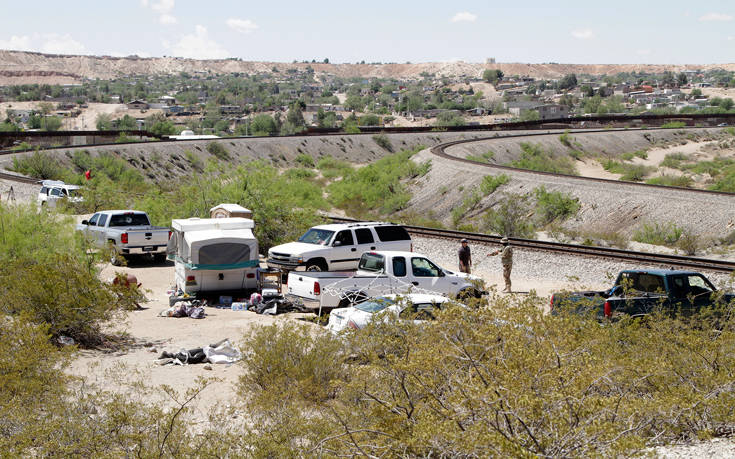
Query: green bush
<point>378,187</point>
<point>300,173</point>
<point>506,380</point>
<point>673,125</point>
<point>510,217</point>
<point>331,167</point>
<point>566,139</point>
<point>194,160</point>
<point>486,157</point>
<point>47,277</point>
<point>658,233</point>
<point>673,160</point>
<point>554,205</point>
<point>490,183</point>
<point>535,158</point>
<point>469,202</point>
<point>689,242</point>
<point>383,142</point>
<point>40,165</point>
<point>219,151</point>
<point>299,360</point>
<point>683,181</point>
<point>628,172</point>
<point>305,160</point>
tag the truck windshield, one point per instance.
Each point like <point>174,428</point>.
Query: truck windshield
<point>316,236</point>
<point>375,304</point>
<point>130,219</point>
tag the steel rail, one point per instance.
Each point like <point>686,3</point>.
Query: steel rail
<point>440,150</point>
<point>678,261</point>
<point>18,178</point>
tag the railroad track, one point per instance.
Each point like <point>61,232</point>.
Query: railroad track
<point>18,178</point>
<point>440,150</point>
<point>676,261</point>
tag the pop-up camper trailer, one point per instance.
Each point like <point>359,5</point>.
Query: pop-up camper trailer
<point>214,254</point>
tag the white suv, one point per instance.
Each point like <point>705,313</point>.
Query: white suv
<point>338,246</point>
<point>53,190</point>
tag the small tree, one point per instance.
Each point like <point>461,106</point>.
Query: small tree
<point>682,79</point>
<point>511,216</point>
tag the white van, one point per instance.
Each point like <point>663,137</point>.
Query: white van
<point>338,246</point>
<point>214,254</point>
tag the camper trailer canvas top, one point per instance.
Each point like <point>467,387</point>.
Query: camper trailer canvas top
<point>214,254</point>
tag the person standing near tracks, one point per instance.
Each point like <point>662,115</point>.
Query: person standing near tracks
<point>506,258</point>
<point>465,257</point>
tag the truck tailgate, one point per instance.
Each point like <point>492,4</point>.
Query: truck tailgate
<point>304,284</point>
<point>146,237</point>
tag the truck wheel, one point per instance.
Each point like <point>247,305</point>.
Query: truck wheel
<point>115,258</point>
<point>316,266</point>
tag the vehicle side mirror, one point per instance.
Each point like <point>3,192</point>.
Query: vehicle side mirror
<point>442,273</point>
<point>336,243</point>
<point>85,222</point>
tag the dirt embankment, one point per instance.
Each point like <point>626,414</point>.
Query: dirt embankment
<point>168,160</point>
<point>605,207</point>
<point>17,67</point>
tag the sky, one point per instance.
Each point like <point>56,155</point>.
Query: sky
<point>579,32</point>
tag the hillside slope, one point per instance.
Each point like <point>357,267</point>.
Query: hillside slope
<point>21,67</point>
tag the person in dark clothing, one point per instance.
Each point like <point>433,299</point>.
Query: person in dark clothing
<point>465,257</point>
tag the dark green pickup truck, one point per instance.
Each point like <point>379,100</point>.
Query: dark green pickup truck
<point>639,292</point>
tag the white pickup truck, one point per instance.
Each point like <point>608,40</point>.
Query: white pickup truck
<point>381,273</point>
<point>125,233</point>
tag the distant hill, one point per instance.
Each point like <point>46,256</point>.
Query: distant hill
<point>20,67</point>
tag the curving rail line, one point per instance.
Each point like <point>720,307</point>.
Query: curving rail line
<point>440,150</point>
<point>18,178</point>
<point>677,261</point>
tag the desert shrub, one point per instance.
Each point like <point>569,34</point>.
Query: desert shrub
<point>628,172</point>
<point>305,160</point>
<point>726,182</point>
<point>510,217</point>
<point>535,158</point>
<point>673,160</point>
<point>490,183</point>
<point>658,233</point>
<point>300,173</point>
<point>554,205</point>
<point>683,181</point>
<point>331,167</point>
<point>40,165</point>
<point>469,202</point>
<point>23,146</point>
<point>383,142</point>
<point>502,381</point>
<point>296,358</point>
<point>486,157</point>
<point>565,139</point>
<point>47,277</point>
<point>377,187</point>
<point>194,160</point>
<point>635,172</point>
<point>634,154</point>
<point>689,242</point>
<point>219,151</point>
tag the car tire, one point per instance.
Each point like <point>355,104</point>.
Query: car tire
<point>316,266</point>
